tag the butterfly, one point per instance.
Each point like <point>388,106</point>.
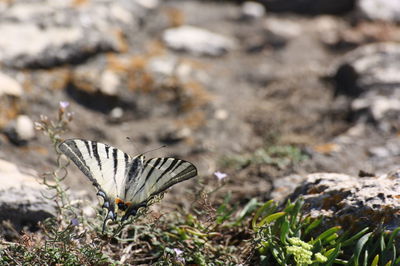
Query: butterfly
<point>125,183</point>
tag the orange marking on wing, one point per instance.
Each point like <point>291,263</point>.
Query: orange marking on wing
<point>117,201</point>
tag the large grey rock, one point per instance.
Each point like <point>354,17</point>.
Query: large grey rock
<point>49,33</point>
<point>197,41</point>
<point>49,47</point>
<point>22,200</point>
<point>368,67</point>
<point>387,10</point>
<point>370,75</point>
<point>349,200</point>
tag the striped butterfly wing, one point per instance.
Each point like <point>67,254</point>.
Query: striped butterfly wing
<point>157,175</point>
<point>104,165</point>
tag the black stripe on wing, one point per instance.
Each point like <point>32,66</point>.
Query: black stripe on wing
<point>115,159</point>
<point>96,154</point>
<point>171,167</point>
<point>172,177</point>
<point>71,150</point>
<point>157,164</point>
<point>162,176</point>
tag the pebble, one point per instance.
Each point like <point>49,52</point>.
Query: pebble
<point>9,86</point>
<point>109,83</point>
<point>252,10</point>
<point>197,41</point>
<point>116,113</point>
<point>24,128</point>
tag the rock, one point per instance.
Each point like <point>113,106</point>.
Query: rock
<point>22,199</point>
<point>9,86</point>
<point>24,128</point>
<point>164,68</point>
<point>370,76</point>
<point>252,10</point>
<point>284,186</point>
<point>100,85</point>
<point>21,130</point>
<point>149,4</point>
<point>391,148</point>
<point>348,200</point>
<point>328,30</point>
<point>381,108</point>
<point>116,114</point>
<point>221,114</point>
<point>197,41</point>
<point>277,32</point>
<point>109,83</point>
<point>284,28</point>
<point>388,10</point>
<point>57,33</point>
<point>310,6</point>
<point>369,67</point>
<point>47,47</point>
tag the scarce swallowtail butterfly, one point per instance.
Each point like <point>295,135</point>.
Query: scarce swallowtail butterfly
<point>125,183</point>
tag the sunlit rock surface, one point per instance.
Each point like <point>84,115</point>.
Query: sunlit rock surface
<point>352,201</point>
<point>22,197</point>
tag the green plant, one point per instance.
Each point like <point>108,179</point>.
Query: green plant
<point>286,237</point>
<point>280,156</point>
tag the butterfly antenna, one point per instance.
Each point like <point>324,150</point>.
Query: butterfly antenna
<point>162,146</point>
<point>130,140</point>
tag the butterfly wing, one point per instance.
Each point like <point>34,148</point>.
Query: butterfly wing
<point>104,165</point>
<point>157,175</point>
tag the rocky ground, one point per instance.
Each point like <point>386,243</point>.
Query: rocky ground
<point>211,80</point>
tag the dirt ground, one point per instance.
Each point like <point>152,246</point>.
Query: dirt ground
<point>269,90</point>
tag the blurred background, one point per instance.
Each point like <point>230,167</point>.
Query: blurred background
<point>257,90</point>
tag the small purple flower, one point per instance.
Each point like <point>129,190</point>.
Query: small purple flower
<point>74,222</point>
<point>64,104</point>
<point>220,175</point>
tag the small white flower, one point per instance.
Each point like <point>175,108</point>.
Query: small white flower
<point>64,104</point>
<point>178,251</point>
<point>220,175</point>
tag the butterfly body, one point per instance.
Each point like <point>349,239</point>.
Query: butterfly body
<point>125,183</point>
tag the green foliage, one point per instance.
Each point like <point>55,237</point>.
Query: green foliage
<point>287,238</point>
<point>279,156</point>
<point>51,255</point>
